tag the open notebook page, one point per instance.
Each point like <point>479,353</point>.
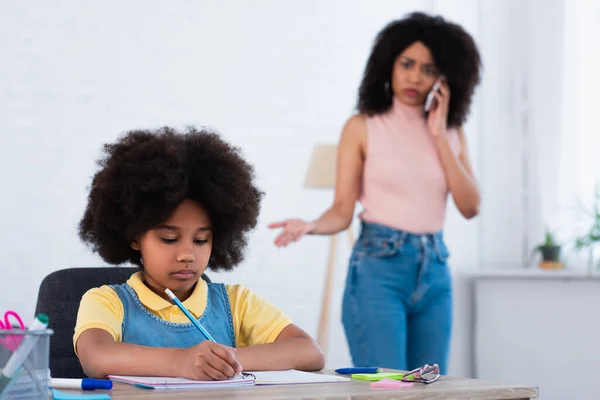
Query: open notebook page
<point>155,382</point>
<point>293,377</point>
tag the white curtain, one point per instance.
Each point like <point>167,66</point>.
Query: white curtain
<point>582,96</point>
<point>565,119</point>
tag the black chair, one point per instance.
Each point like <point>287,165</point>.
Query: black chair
<point>59,297</point>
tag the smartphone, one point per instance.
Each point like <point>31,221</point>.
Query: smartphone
<point>431,95</point>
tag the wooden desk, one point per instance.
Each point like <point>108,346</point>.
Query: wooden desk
<point>445,388</point>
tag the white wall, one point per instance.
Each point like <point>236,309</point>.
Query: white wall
<point>274,77</point>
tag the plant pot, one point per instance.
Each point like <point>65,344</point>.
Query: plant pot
<point>550,253</point>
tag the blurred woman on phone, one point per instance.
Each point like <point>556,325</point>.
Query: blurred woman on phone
<point>400,161</point>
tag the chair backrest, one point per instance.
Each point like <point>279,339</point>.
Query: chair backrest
<point>59,296</point>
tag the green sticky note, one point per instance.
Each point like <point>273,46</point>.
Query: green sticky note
<point>378,376</point>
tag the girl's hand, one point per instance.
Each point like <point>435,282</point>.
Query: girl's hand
<point>438,116</point>
<point>209,361</point>
<point>293,230</point>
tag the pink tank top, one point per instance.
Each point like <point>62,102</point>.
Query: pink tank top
<point>403,182</point>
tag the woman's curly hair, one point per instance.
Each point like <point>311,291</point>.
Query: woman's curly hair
<point>146,174</point>
<point>454,52</point>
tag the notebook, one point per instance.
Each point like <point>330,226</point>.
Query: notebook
<point>288,377</point>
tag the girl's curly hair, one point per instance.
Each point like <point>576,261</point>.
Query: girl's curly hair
<point>454,52</point>
<point>146,174</point>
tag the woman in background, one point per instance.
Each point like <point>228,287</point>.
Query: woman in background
<point>401,161</point>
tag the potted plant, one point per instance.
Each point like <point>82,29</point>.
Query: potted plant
<point>550,250</point>
<point>591,239</point>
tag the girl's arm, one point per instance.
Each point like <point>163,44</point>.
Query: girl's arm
<point>100,355</point>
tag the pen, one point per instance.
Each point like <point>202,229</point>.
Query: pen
<point>81,384</point>
<point>20,354</point>
<point>189,315</point>
<point>191,318</point>
<point>358,370</point>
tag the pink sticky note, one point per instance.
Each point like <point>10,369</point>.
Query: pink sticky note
<point>391,383</point>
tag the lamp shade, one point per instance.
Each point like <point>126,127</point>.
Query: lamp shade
<point>322,167</point>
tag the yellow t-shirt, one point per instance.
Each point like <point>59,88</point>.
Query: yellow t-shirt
<point>255,320</point>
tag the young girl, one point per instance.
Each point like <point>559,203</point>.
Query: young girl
<point>400,156</point>
<point>176,204</point>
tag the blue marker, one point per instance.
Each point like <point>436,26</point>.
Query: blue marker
<point>189,315</point>
<point>358,370</point>
<point>81,384</point>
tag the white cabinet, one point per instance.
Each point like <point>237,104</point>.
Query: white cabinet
<point>541,328</point>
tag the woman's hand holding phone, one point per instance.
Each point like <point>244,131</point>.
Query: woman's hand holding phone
<point>436,104</point>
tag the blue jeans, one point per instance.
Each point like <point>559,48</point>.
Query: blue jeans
<point>397,305</point>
